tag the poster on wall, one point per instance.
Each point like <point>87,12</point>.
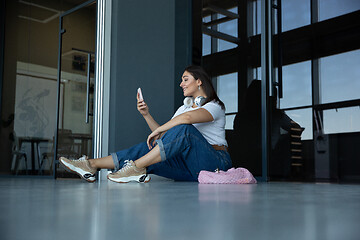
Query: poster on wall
<point>35,107</point>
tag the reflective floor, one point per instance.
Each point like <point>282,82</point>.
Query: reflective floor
<point>74,209</point>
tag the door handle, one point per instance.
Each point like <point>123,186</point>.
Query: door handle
<point>87,114</point>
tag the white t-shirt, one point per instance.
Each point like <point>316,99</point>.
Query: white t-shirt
<point>214,131</point>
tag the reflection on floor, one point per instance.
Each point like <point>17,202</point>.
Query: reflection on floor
<point>74,209</point>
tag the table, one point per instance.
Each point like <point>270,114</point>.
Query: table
<point>33,141</point>
<point>84,138</point>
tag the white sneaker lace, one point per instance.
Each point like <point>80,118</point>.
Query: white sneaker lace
<point>127,165</point>
<point>83,158</point>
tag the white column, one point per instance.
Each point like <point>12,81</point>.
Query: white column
<point>102,82</point>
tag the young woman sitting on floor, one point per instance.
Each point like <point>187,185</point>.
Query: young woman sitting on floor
<point>193,140</point>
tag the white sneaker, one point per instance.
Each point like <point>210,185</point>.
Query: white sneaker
<point>129,172</point>
<point>81,167</point>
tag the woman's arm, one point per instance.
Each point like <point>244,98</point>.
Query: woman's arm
<point>144,111</point>
<point>197,116</point>
<point>151,122</point>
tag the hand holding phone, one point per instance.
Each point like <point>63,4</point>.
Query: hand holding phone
<point>140,94</point>
<point>141,105</point>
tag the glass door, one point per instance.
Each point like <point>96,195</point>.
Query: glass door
<point>76,64</point>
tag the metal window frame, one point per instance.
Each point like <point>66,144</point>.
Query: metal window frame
<point>213,31</point>
<point>2,48</point>
<point>102,82</point>
<point>267,70</point>
<point>315,68</point>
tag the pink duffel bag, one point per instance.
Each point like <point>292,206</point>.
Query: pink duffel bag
<point>233,175</point>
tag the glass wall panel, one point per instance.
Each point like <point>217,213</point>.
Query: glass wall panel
<point>289,151</point>
<point>206,44</point>
<point>340,76</point>
<point>244,140</point>
<point>77,73</point>
<point>30,84</point>
<point>230,28</point>
<point>229,122</point>
<point>257,73</point>
<point>234,10</point>
<point>225,45</point>
<point>296,85</point>
<point>333,8</point>
<point>304,118</point>
<point>227,90</point>
<point>295,14</point>
<point>206,39</point>
<point>342,120</point>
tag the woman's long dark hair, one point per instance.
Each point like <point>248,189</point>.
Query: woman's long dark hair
<point>199,73</point>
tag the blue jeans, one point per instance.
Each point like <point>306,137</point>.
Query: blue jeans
<point>184,153</point>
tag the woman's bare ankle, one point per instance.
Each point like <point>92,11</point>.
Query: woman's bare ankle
<point>139,164</point>
<point>92,163</point>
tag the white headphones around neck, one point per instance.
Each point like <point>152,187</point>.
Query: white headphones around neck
<point>189,101</point>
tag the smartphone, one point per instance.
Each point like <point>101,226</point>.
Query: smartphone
<point>140,94</point>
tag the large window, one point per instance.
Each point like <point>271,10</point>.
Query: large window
<point>227,90</point>
<point>320,72</point>
<point>212,44</point>
<point>296,85</point>
<point>304,118</point>
<point>333,8</point>
<point>340,77</point>
<point>230,28</point>
<point>206,39</point>
<point>295,14</point>
<point>342,120</point>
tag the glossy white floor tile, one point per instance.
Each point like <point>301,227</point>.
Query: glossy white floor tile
<point>74,209</point>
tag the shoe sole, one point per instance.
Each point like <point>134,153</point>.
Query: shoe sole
<point>144,178</point>
<point>87,176</point>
